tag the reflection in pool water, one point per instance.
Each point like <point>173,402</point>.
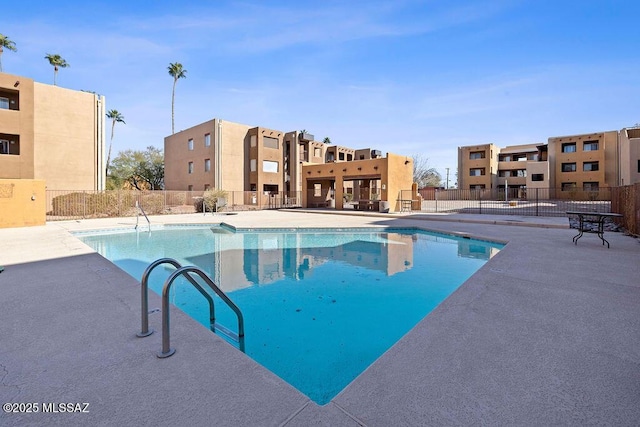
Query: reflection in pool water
<point>319,307</point>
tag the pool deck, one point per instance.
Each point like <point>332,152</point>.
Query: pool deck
<point>546,333</point>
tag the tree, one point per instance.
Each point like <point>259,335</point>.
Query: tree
<point>115,117</point>
<point>142,170</point>
<point>177,72</point>
<point>6,43</point>
<point>423,175</point>
<point>57,62</point>
<point>326,140</point>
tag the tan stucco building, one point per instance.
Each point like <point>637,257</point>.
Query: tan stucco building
<point>478,167</point>
<point>584,162</point>
<point>264,163</point>
<point>630,156</point>
<point>52,134</point>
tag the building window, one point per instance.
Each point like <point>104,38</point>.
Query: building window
<point>340,156</point>
<point>361,156</point>
<point>476,172</point>
<point>477,187</point>
<point>638,166</point>
<point>568,186</point>
<point>190,187</point>
<point>475,155</point>
<point>207,165</point>
<point>330,157</point>
<point>190,167</point>
<point>317,190</point>
<point>590,166</point>
<point>591,186</point>
<point>590,146</point>
<point>569,167</point>
<point>521,173</point>
<point>270,142</point>
<point>207,187</point>
<point>537,177</point>
<point>317,152</point>
<point>254,140</point>
<point>269,166</point>
<point>10,146</point>
<point>190,145</point>
<point>569,147</point>
<point>4,103</point>
<point>504,173</point>
<point>207,139</point>
<point>4,146</point>
<point>253,165</point>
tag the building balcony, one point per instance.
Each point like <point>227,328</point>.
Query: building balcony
<point>512,180</point>
<point>513,165</point>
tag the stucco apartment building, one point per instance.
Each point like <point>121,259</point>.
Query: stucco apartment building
<point>237,157</point>
<point>583,162</point>
<point>51,133</point>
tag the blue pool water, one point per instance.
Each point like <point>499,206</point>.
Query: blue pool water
<point>319,307</point>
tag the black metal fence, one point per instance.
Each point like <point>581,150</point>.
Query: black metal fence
<point>514,201</point>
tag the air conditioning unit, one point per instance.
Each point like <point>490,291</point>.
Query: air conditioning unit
<point>375,154</point>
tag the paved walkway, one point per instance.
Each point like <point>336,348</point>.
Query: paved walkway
<point>546,333</point>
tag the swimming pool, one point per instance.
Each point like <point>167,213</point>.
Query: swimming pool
<point>319,306</point>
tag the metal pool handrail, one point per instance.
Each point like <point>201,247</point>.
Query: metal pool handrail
<point>185,271</point>
<point>144,297</point>
<point>143,213</point>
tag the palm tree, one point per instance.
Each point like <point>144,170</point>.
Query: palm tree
<point>115,117</point>
<point>5,42</point>
<point>326,140</point>
<point>57,62</point>
<point>177,72</point>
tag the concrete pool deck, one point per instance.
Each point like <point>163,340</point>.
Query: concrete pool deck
<point>546,333</point>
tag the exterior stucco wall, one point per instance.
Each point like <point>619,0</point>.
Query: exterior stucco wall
<point>537,168</point>
<point>629,156</point>
<point>61,135</point>
<point>606,156</point>
<point>489,163</point>
<point>234,144</point>
<point>69,135</point>
<point>22,203</point>
<point>177,157</point>
<point>18,122</point>
<point>395,173</point>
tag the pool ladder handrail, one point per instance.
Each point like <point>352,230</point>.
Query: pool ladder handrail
<point>144,290</point>
<point>139,209</point>
<point>186,271</point>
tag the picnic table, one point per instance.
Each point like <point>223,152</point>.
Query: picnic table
<point>597,218</point>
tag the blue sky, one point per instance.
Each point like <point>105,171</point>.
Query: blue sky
<point>404,76</point>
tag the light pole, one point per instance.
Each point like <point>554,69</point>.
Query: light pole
<point>447,178</point>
